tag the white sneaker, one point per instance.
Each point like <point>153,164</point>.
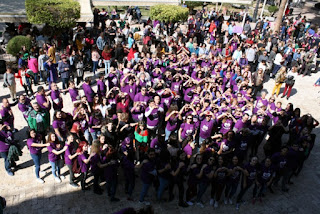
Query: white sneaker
<point>211,201</point>
<point>58,180</point>
<point>189,203</point>
<point>216,204</point>
<point>200,204</point>
<point>230,201</point>
<point>225,201</point>
<point>62,177</point>
<point>39,180</point>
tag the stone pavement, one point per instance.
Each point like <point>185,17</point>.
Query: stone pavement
<point>25,195</point>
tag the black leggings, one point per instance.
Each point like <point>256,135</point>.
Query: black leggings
<point>83,179</point>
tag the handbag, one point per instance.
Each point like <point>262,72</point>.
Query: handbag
<point>290,81</point>
<point>100,63</point>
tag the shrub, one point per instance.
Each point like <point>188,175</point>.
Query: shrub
<point>15,44</point>
<point>273,9</point>
<point>55,13</point>
<point>169,13</point>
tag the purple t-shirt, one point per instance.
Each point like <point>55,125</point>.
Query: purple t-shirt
<point>153,118</point>
<point>187,130</point>
<point>51,156</point>
<point>140,98</point>
<point>88,92</point>
<point>68,152</point>
<point>187,149</point>
<point>74,94</point>
<point>101,88</point>
<point>34,150</point>
<point>40,100</point>
<point>83,166</point>
<point>94,163</point>
<point>172,123</point>
<point>25,108</point>
<point>239,125</point>
<point>226,126</point>
<point>57,101</point>
<point>206,128</point>
<point>5,138</point>
<point>61,125</point>
<point>130,89</point>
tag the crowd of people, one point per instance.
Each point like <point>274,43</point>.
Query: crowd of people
<point>191,112</point>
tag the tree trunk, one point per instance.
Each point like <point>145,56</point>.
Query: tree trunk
<point>279,16</point>
<point>255,13</point>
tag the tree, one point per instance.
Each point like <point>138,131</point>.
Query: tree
<point>280,15</point>
<point>55,13</point>
<point>272,10</point>
<point>169,13</point>
<point>16,43</point>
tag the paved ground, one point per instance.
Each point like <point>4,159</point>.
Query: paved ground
<point>25,195</point>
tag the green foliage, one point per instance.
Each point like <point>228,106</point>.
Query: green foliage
<point>169,13</point>
<point>193,4</point>
<point>273,9</point>
<point>15,44</point>
<point>55,13</point>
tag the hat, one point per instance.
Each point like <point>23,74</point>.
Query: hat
<point>63,56</point>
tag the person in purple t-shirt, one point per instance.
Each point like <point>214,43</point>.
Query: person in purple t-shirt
<point>142,97</point>
<point>101,86</point>
<point>42,99</point>
<point>59,126</point>
<point>241,123</point>
<point>89,93</point>
<point>35,146</point>
<point>6,113</point>
<point>83,160</point>
<point>172,117</point>
<point>56,97</point>
<point>187,128</point>
<point>54,151</point>
<point>69,157</point>
<point>206,126</point>
<point>73,91</point>
<point>24,106</point>
<point>148,172</point>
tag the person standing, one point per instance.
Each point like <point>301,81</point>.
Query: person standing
<point>35,146</point>
<point>95,56</point>
<point>33,65</point>
<point>39,120</point>
<point>279,80</point>
<point>64,69</point>
<point>5,142</point>
<point>10,82</point>
<point>291,76</point>
<point>107,55</point>
<point>52,53</point>
<point>257,81</point>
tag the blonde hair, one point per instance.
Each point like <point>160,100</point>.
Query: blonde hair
<point>95,147</point>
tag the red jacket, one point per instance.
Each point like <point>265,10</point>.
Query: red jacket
<point>106,56</point>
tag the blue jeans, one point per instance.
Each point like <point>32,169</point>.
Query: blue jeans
<point>201,140</point>
<point>55,168</point>
<point>94,135</point>
<point>167,134</point>
<point>276,69</point>
<point>107,65</point>
<point>144,191</point>
<point>317,82</point>
<point>4,155</point>
<point>94,66</point>
<point>163,184</point>
<point>36,160</point>
<point>65,83</point>
<point>202,189</point>
<point>87,135</point>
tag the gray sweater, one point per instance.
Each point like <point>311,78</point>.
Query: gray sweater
<point>9,79</point>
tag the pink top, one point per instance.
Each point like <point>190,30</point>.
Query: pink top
<point>95,56</point>
<point>33,65</point>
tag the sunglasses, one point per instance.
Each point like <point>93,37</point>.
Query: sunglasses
<point>189,118</point>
